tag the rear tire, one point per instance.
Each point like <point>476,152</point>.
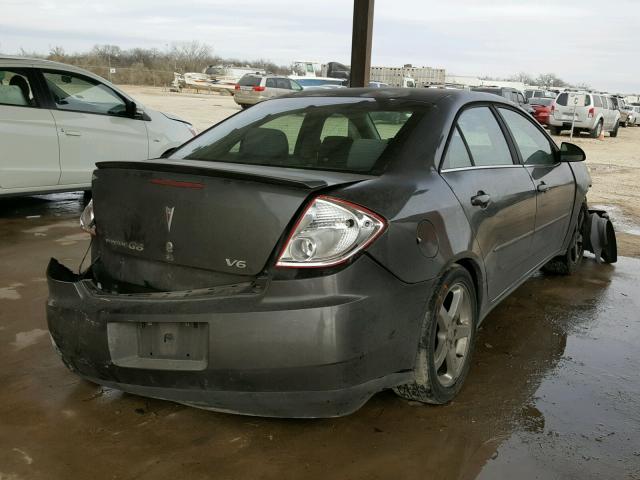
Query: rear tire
<point>614,132</point>
<point>554,130</point>
<point>446,341</point>
<point>569,262</point>
<point>243,106</point>
<point>595,133</point>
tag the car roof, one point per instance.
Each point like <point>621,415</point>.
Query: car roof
<point>423,95</point>
<point>39,62</point>
<point>43,63</point>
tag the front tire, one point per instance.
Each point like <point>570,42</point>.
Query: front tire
<point>569,262</point>
<point>446,342</point>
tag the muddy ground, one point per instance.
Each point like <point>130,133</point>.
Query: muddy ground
<point>553,393</point>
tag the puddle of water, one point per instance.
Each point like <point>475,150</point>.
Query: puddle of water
<point>26,339</point>
<point>11,292</point>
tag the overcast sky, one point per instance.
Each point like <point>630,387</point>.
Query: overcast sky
<point>581,41</point>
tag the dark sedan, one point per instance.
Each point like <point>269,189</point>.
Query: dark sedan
<point>315,249</point>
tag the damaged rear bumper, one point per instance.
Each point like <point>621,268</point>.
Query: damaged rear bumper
<point>314,347</point>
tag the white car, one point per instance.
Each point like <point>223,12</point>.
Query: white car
<point>57,121</point>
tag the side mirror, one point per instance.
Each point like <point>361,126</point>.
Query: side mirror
<point>169,152</point>
<point>134,111</point>
<point>571,153</point>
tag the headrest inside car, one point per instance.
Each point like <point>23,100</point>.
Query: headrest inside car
<point>265,143</point>
<point>364,153</point>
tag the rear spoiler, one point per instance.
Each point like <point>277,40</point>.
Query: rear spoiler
<point>211,171</point>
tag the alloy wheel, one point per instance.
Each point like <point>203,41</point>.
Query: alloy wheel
<point>453,334</point>
<point>577,244</point>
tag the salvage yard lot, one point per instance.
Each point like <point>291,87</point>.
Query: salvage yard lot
<point>554,390</point>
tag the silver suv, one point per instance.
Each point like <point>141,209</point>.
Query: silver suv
<point>255,88</point>
<point>587,112</point>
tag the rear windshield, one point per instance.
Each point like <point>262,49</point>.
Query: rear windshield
<point>315,82</point>
<point>319,133</point>
<point>571,99</point>
<point>249,81</point>
<point>541,101</point>
<point>495,91</point>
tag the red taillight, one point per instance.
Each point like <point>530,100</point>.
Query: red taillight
<point>258,88</point>
<point>329,232</point>
<point>592,112</point>
<point>237,87</point>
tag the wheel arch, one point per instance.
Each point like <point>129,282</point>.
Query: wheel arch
<point>475,271</point>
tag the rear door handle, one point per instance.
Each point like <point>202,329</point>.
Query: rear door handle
<point>71,133</point>
<point>481,200</point>
<point>542,187</point>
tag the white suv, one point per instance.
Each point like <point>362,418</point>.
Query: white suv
<point>587,112</point>
<point>57,121</point>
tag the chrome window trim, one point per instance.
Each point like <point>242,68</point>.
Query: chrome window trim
<point>479,167</point>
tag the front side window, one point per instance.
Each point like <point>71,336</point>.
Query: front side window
<point>15,89</point>
<point>81,94</point>
<point>534,147</point>
<point>484,137</point>
<point>311,133</point>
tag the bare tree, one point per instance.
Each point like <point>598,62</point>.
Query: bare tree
<point>191,56</point>
<point>550,80</point>
<point>523,77</point>
<point>56,54</point>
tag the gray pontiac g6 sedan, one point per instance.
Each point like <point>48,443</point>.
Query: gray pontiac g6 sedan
<point>308,252</point>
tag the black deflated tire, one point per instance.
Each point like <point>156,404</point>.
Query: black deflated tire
<point>447,340</point>
<point>569,262</point>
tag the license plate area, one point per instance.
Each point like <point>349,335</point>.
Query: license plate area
<point>159,345</point>
<point>175,341</point>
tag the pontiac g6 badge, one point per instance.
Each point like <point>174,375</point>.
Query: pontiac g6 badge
<point>168,211</point>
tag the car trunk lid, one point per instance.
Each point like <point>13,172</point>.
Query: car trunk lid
<point>169,225</point>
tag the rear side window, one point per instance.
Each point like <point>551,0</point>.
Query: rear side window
<point>457,155</point>
<point>283,83</point>
<point>484,137</point>
<point>15,89</point>
<point>249,81</point>
<point>597,101</point>
<point>534,147</point>
<point>271,83</point>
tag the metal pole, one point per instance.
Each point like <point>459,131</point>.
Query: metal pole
<point>573,121</point>
<point>361,42</point>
